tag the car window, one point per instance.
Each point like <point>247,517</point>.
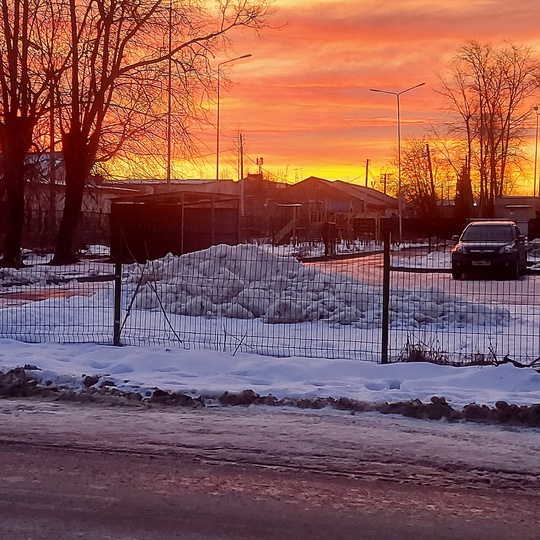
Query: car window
<point>489,233</point>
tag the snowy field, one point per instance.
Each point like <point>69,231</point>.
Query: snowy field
<point>246,301</point>
<point>255,300</point>
<point>200,323</point>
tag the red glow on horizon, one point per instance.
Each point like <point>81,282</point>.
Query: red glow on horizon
<point>303,100</point>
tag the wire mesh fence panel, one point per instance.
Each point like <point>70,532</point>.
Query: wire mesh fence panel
<point>69,304</point>
<point>483,318</point>
<point>260,299</point>
<point>252,299</point>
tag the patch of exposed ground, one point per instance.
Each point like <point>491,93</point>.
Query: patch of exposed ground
<point>22,382</point>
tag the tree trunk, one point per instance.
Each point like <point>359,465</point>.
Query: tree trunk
<point>75,150</point>
<point>16,137</point>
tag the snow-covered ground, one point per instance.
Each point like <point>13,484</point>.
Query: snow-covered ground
<point>210,373</point>
<point>246,301</point>
<point>253,299</point>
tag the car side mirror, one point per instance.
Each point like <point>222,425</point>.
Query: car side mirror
<point>455,237</point>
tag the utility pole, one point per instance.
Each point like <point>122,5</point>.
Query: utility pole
<point>399,194</point>
<point>240,156</point>
<point>169,99</point>
<point>52,165</point>
<point>241,174</point>
<point>367,171</point>
<point>535,150</point>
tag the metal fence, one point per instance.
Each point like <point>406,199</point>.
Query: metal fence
<point>479,319</point>
<point>378,306</point>
<point>251,298</point>
<point>68,304</point>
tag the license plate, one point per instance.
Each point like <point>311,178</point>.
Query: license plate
<point>481,263</point>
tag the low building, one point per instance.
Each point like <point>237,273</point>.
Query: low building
<point>355,210</point>
<point>146,227</point>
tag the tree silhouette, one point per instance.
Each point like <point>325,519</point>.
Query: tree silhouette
<point>28,69</point>
<point>489,90</point>
<point>118,51</point>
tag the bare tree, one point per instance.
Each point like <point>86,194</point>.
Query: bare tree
<point>27,70</point>
<point>489,90</point>
<point>118,50</point>
<point>418,173</point>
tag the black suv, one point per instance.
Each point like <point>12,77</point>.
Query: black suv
<point>489,247</point>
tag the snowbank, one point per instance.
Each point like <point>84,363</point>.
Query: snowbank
<point>210,373</point>
<point>247,282</point>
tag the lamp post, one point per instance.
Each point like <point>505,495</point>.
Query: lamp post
<point>398,94</point>
<point>535,150</point>
<point>169,98</point>
<point>217,120</point>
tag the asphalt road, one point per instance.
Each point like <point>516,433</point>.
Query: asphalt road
<point>97,472</point>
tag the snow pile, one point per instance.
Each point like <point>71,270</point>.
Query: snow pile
<point>307,250</point>
<point>95,250</point>
<point>40,276</point>
<point>9,277</point>
<point>247,282</point>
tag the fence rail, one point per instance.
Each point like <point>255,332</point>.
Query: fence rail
<point>390,306</point>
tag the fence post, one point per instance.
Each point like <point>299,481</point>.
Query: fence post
<point>117,302</point>
<point>385,297</point>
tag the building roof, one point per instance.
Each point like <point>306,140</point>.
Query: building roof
<point>370,195</point>
<point>149,186</point>
<point>177,197</point>
<point>317,187</point>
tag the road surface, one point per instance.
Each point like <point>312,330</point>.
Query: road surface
<point>369,269</point>
<point>72,470</point>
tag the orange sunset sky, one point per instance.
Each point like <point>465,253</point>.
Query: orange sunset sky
<point>302,100</point>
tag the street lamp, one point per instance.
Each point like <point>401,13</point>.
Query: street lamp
<point>217,135</point>
<point>535,150</point>
<point>397,94</point>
